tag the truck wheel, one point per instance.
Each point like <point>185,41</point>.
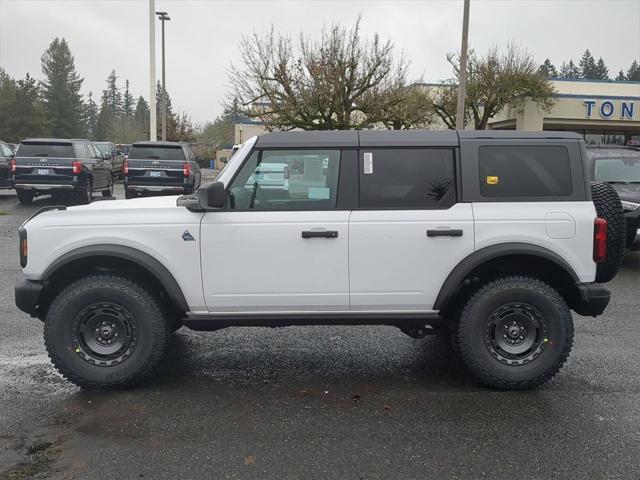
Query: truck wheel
<point>25,196</point>
<point>515,333</point>
<point>85,195</point>
<point>128,194</point>
<point>109,191</point>
<point>105,331</point>
<point>608,206</point>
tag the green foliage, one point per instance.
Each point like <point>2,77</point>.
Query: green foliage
<point>588,67</point>
<point>22,112</point>
<point>569,70</point>
<point>90,116</point>
<point>633,73</point>
<point>127,102</point>
<point>548,69</point>
<point>141,116</point>
<point>61,91</point>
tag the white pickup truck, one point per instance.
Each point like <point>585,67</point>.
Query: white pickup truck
<point>490,237</point>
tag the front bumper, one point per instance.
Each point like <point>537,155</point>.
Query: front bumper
<point>592,300</point>
<point>28,296</point>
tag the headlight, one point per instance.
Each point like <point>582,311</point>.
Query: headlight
<point>629,206</point>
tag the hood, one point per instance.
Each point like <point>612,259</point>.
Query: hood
<point>628,192</point>
<point>131,204</point>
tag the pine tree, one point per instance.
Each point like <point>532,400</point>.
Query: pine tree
<point>601,72</point>
<point>588,67</point>
<point>111,97</point>
<point>572,70</point>
<point>90,117</point>
<point>141,116</point>
<point>171,117</point>
<point>127,102</point>
<point>105,123</point>
<point>548,70</point>
<point>22,112</point>
<point>621,75</point>
<point>633,73</point>
<point>61,90</point>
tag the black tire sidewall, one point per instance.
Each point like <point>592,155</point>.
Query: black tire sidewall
<point>25,197</point>
<point>58,334</point>
<point>109,191</point>
<point>472,330</point>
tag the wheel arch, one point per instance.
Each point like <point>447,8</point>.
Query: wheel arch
<point>509,258</point>
<point>109,257</point>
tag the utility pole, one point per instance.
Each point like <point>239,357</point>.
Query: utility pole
<point>163,17</point>
<point>152,71</point>
<point>462,80</point>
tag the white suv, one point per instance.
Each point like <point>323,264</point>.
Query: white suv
<point>492,237</point>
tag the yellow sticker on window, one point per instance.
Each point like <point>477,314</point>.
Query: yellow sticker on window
<point>491,180</point>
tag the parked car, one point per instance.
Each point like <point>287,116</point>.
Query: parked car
<point>115,154</point>
<point>620,167</point>
<point>73,168</point>
<point>6,157</point>
<point>124,148</point>
<point>490,237</point>
<point>154,168</point>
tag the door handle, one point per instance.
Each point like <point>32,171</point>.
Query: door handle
<point>320,234</point>
<point>444,233</point>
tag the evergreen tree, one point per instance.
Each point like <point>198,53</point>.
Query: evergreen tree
<point>633,73</point>
<point>111,97</point>
<point>602,72</point>
<point>90,117</point>
<point>548,70</point>
<point>127,102</point>
<point>141,114</point>
<point>569,70</point>
<point>588,67</point>
<point>105,123</point>
<point>22,112</point>
<point>621,75</point>
<point>61,90</point>
<point>171,117</point>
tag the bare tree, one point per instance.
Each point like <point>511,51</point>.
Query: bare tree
<point>494,81</point>
<point>338,82</point>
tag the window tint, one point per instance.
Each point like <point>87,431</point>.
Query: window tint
<point>620,170</point>
<point>157,153</point>
<point>38,149</point>
<point>5,151</point>
<point>287,179</point>
<point>524,171</point>
<point>407,178</point>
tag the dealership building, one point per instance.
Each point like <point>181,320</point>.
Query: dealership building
<point>603,111</point>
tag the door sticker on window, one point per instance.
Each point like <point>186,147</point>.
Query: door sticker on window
<point>319,193</point>
<point>368,163</point>
<point>492,180</point>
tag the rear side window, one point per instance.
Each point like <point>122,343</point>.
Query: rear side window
<point>157,153</point>
<point>407,178</point>
<point>49,149</point>
<point>524,171</point>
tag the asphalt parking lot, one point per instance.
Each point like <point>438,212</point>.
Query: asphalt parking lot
<point>311,402</point>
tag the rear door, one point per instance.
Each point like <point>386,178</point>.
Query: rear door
<point>279,248</point>
<point>156,165</point>
<point>45,162</point>
<point>409,232</point>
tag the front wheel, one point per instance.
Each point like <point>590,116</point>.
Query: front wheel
<point>105,331</point>
<point>515,333</point>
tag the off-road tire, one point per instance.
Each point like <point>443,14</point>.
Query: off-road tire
<point>608,206</point>
<point>148,320</point>
<point>25,196</point>
<point>474,334</point>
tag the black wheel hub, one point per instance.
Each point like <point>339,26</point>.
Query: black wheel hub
<point>104,334</point>
<point>516,333</point>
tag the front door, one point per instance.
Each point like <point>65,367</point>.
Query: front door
<point>409,232</point>
<point>280,245</point>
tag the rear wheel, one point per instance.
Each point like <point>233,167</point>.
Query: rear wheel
<point>608,206</point>
<point>109,191</point>
<point>85,194</point>
<point>130,194</point>
<point>105,331</point>
<point>515,333</point>
<point>25,196</point>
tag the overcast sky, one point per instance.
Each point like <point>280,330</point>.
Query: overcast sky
<point>202,36</point>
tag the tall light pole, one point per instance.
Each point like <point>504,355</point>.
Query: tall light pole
<point>152,71</point>
<point>163,17</point>
<point>462,77</point>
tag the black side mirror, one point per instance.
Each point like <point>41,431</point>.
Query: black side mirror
<point>212,195</point>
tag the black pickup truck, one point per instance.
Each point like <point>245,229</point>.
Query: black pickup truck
<point>59,167</point>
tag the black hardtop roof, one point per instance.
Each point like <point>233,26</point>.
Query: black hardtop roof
<point>55,140</point>
<point>395,138</point>
<point>149,143</point>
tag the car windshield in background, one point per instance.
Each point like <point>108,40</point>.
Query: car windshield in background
<point>157,153</point>
<point>35,149</point>
<point>618,170</point>
<point>103,147</point>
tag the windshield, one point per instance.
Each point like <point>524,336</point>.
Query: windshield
<point>103,147</point>
<point>158,153</point>
<point>618,170</point>
<point>50,149</point>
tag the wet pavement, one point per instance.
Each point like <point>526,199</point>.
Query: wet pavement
<point>319,402</point>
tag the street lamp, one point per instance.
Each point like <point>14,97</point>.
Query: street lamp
<point>162,16</point>
<point>462,77</point>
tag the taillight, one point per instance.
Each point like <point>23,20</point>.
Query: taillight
<point>186,169</point>
<point>125,167</point>
<point>77,168</point>
<point>13,166</point>
<point>599,240</point>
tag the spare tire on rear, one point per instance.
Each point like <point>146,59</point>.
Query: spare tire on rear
<point>608,206</point>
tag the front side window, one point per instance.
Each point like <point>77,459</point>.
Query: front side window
<point>287,180</point>
<point>407,178</point>
<point>524,171</point>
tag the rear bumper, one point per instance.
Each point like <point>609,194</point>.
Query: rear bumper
<point>592,300</point>
<point>43,186</point>
<point>28,296</point>
<point>155,188</point>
